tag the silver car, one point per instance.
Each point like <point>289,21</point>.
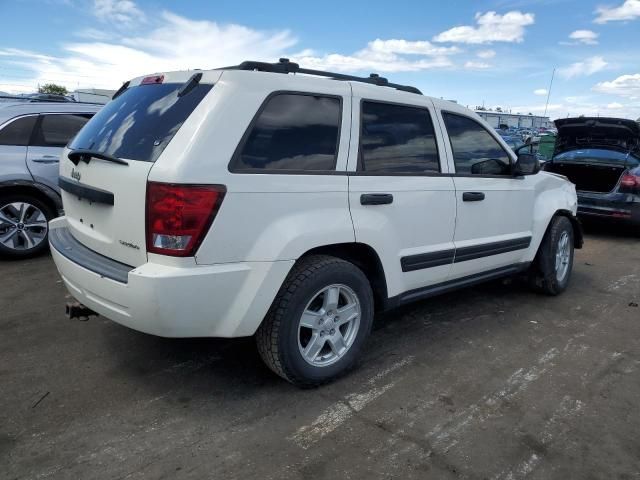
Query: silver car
<point>32,137</point>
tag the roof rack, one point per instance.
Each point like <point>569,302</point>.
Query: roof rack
<point>27,99</point>
<point>286,66</point>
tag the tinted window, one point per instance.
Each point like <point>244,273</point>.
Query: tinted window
<point>139,123</point>
<point>397,139</point>
<point>293,132</point>
<point>58,130</point>
<point>18,132</point>
<point>475,151</point>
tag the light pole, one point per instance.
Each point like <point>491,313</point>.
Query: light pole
<point>549,92</point>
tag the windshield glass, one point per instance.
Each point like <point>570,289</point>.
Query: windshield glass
<point>140,123</point>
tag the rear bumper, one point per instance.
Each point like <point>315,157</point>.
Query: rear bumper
<point>224,300</point>
<point>615,206</point>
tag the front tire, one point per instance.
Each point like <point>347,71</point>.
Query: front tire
<point>318,322</point>
<point>551,270</point>
<point>24,225</point>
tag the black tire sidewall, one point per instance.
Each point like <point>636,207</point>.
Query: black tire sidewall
<point>44,208</point>
<point>559,225</point>
<point>291,358</point>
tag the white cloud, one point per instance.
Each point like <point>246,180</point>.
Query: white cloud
<point>585,68</point>
<point>117,11</point>
<point>586,37</point>
<point>491,27</point>
<point>176,43</point>
<point>473,65</point>
<point>168,41</point>
<point>629,10</point>
<point>614,106</point>
<point>624,86</point>
<point>384,56</point>
<point>541,92</point>
<point>486,54</point>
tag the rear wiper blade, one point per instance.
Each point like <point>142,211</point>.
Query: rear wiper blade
<point>124,86</point>
<point>190,84</point>
<point>86,155</point>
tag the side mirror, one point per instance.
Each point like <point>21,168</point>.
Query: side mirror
<point>527,164</point>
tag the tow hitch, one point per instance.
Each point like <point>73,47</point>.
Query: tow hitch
<point>79,311</point>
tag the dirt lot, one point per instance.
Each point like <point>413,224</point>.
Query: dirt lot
<point>489,382</point>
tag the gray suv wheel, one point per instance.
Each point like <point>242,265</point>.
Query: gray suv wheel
<point>23,225</point>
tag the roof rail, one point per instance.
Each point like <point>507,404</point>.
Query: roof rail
<point>26,99</point>
<point>285,66</point>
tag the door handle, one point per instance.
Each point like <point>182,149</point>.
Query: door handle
<point>472,196</point>
<point>376,199</point>
<point>47,159</point>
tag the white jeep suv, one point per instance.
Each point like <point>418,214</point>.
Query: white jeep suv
<point>267,200</point>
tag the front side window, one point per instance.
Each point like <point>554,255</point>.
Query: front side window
<point>293,132</point>
<point>397,139</point>
<point>475,151</point>
<point>18,132</point>
<point>57,130</point>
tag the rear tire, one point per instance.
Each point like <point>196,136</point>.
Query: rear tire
<point>24,225</point>
<point>318,322</point>
<point>551,270</point>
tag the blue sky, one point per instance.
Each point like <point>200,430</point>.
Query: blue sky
<point>496,52</point>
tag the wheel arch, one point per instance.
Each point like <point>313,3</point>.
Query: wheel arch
<point>366,259</point>
<point>578,234</point>
<point>41,192</point>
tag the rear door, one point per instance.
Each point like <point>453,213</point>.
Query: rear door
<point>402,202</point>
<point>495,209</point>
<point>105,202</point>
<point>14,138</point>
<point>52,132</point>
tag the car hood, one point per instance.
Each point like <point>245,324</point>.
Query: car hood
<point>617,134</point>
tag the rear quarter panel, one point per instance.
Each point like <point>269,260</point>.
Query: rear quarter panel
<point>263,217</point>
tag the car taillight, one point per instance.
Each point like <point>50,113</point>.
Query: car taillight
<point>179,216</point>
<point>630,183</point>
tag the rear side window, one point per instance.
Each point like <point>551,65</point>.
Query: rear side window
<point>57,130</point>
<point>18,132</point>
<point>475,151</point>
<point>292,132</point>
<point>397,139</point>
<point>140,123</point>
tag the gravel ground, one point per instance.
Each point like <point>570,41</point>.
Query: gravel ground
<point>489,382</point>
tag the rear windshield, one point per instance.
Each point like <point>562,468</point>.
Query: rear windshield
<point>595,155</point>
<point>140,123</point>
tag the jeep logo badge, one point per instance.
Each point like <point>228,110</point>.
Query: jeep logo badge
<point>75,174</point>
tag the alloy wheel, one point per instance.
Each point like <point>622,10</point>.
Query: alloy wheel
<point>329,325</point>
<point>563,256</point>
<point>23,226</point>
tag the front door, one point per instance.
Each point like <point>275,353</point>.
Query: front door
<point>495,208</point>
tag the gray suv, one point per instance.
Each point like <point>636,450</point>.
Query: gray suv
<point>32,137</point>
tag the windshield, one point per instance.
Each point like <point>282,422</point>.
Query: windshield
<point>140,123</point>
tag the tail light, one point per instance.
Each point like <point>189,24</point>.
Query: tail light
<point>630,183</point>
<point>179,216</point>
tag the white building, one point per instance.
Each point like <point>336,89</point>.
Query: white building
<point>495,119</point>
